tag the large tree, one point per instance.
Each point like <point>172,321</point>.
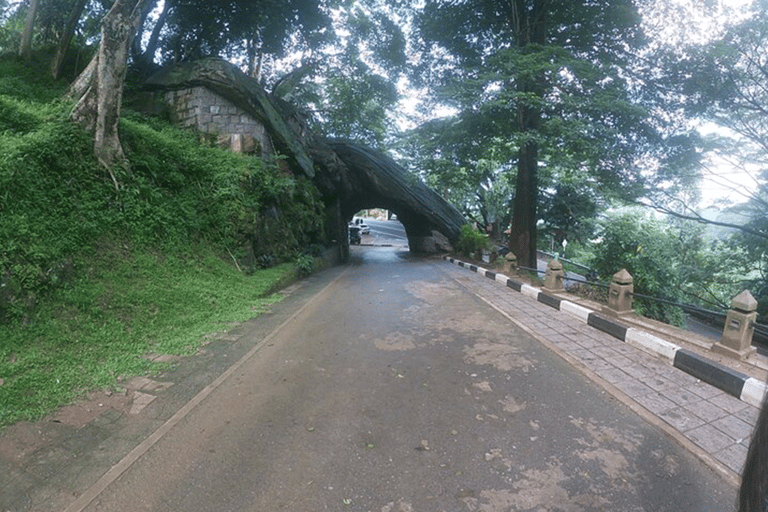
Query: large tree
<point>350,88</point>
<point>558,79</point>
<point>25,48</point>
<point>99,89</point>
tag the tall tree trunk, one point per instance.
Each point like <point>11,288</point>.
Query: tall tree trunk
<point>522,240</point>
<point>136,52</point>
<point>529,25</point>
<point>100,86</point>
<point>25,48</point>
<point>66,37</point>
<point>146,59</point>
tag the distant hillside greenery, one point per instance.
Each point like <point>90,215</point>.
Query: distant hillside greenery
<point>93,277</point>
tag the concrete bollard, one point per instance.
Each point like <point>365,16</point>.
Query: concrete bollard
<point>510,262</point>
<point>553,279</point>
<point>620,292</point>
<point>739,328</point>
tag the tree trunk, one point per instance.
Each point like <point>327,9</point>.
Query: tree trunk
<point>146,59</point>
<point>136,52</point>
<point>100,86</point>
<point>522,239</point>
<point>66,38</point>
<point>530,28</point>
<point>25,48</point>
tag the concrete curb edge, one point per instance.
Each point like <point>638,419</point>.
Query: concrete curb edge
<point>743,387</point>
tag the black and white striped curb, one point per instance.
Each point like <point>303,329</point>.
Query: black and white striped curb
<point>744,387</point>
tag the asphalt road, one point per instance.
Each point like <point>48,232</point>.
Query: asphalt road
<point>395,390</point>
<point>387,232</point>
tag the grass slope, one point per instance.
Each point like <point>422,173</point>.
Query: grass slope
<point>92,279</point>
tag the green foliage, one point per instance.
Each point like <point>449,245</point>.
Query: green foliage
<point>27,84</point>
<point>569,212</point>
<point>657,255</point>
<point>305,264</point>
<point>471,240</point>
<point>55,202</point>
<point>120,305</point>
<point>93,278</point>
<point>15,118</point>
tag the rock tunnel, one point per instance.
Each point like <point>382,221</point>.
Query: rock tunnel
<point>431,223</point>
<point>214,96</point>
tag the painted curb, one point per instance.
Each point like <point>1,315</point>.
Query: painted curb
<point>746,388</point>
<point>653,343</point>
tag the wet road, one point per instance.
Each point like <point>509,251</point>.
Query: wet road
<point>395,390</point>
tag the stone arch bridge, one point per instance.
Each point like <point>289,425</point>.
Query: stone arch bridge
<point>214,96</point>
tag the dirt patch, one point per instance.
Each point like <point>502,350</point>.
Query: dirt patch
<point>80,414</point>
<point>25,438</point>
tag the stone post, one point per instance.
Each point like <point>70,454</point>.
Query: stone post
<point>553,279</point>
<point>510,262</point>
<point>739,327</point>
<point>620,292</point>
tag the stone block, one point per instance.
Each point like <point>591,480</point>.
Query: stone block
<point>250,145</point>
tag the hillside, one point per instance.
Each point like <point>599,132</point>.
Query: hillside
<point>95,277</point>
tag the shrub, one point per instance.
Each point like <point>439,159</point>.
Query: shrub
<point>305,263</point>
<point>651,252</point>
<point>471,240</point>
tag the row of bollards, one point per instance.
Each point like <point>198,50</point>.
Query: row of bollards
<point>736,341</point>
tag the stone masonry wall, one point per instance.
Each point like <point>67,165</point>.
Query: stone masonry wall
<point>207,112</point>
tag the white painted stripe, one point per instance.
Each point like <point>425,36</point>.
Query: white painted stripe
<point>480,270</point>
<point>575,310</point>
<point>651,342</point>
<point>501,278</point>
<point>530,291</point>
<point>753,392</point>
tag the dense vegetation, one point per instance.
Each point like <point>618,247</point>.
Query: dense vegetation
<point>545,120</point>
<point>92,276</point>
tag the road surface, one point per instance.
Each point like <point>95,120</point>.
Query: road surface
<point>396,390</point>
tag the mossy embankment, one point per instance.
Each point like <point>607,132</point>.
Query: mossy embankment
<point>94,277</point>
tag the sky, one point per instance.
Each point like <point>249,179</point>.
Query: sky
<point>722,183</point>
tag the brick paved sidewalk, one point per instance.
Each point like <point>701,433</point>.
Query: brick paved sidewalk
<point>713,424</point>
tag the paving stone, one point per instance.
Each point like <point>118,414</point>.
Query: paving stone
<point>568,346</point>
<point>660,382</point>
<point>681,419</point>
<point>588,342</point>
<point>729,403</point>
<point>634,388</point>
<point>638,372</point>
<point>613,376</point>
<point>749,414</point>
<point>140,401</point>
<point>598,365</point>
<point>733,456</point>
<point>605,352</point>
<point>627,350</point>
<point>583,354</point>
<point>620,361</point>
<point>704,390</point>
<point>680,396</point>
<point>709,438</point>
<point>682,378</point>
<point>705,410</point>
<point>733,427</point>
<point>656,403</point>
